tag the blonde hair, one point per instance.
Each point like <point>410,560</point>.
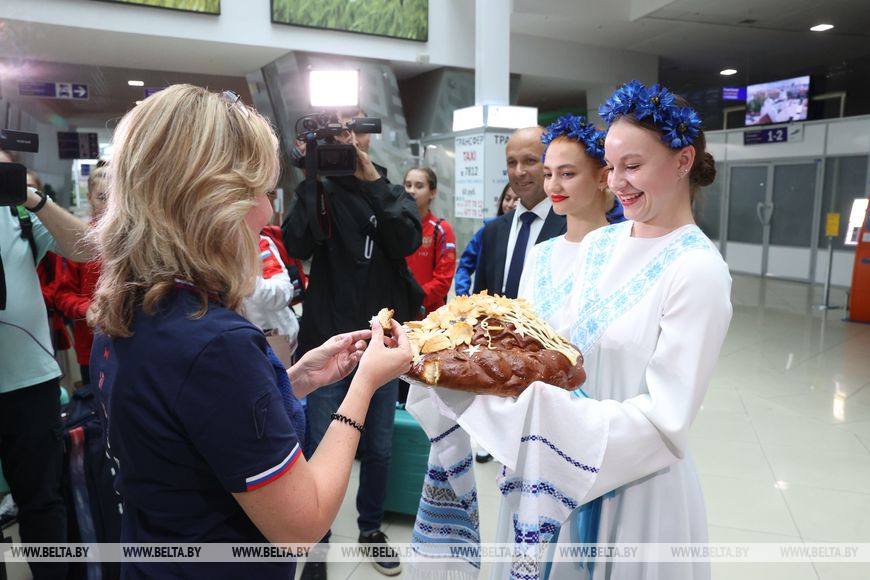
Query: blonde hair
<point>186,168</point>
<point>99,173</point>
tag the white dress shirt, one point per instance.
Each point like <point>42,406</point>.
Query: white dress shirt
<point>541,210</point>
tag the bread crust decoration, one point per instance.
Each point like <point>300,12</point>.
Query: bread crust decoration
<point>491,345</point>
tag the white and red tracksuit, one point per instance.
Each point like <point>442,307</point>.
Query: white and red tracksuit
<point>269,305</point>
<point>434,263</point>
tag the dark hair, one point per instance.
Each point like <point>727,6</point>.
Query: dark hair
<point>703,171</point>
<point>499,209</point>
<point>430,176</point>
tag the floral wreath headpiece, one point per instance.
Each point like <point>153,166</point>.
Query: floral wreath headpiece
<point>577,129</point>
<point>680,126</point>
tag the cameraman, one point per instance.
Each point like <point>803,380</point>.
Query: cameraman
<point>356,270</point>
<point>30,446</point>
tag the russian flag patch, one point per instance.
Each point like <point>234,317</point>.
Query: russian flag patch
<point>273,473</point>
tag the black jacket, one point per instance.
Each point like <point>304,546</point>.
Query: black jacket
<point>360,268</point>
<point>493,250</point>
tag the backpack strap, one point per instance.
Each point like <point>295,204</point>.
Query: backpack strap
<point>27,230</point>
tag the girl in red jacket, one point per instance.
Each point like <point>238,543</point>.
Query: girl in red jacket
<point>77,284</point>
<point>434,262</point>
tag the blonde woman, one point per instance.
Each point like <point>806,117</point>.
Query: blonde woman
<point>199,413</point>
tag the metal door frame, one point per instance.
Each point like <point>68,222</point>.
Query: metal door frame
<point>726,206</point>
<point>816,212</point>
<point>771,164</point>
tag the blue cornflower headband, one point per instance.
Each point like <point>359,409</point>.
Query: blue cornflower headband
<point>577,129</point>
<point>679,125</point>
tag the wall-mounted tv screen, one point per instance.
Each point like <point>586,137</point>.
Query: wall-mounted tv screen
<point>394,18</point>
<point>204,6</point>
<point>778,101</point>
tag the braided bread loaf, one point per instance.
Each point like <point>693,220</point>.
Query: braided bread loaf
<point>492,345</point>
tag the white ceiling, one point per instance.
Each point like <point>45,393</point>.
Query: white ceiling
<point>110,95</point>
<point>694,39</point>
<point>49,42</point>
<point>761,38</point>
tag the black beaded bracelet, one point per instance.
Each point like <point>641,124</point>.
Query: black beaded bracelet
<point>347,421</point>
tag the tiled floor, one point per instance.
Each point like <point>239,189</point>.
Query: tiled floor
<point>782,441</point>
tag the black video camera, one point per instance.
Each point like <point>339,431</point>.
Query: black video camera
<point>13,176</point>
<point>323,154</point>
<point>13,182</point>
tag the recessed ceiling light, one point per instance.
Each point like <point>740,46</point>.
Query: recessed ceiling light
<point>821,27</point>
<point>136,83</point>
<point>727,72</point>
<point>138,102</point>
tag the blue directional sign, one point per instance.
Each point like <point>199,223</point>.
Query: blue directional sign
<point>37,89</point>
<point>765,136</point>
<point>151,90</point>
<point>52,90</point>
<point>733,93</point>
<point>80,91</point>
<point>64,91</point>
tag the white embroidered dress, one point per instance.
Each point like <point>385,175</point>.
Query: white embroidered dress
<point>548,277</point>
<point>649,315</point>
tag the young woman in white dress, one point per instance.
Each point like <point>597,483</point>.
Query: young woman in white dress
<point>649,310</point>
<point>575,179</point>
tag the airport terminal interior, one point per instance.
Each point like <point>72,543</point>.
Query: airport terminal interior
<point>780,435</point>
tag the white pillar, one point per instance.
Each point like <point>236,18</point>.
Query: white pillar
<point>492,34</point>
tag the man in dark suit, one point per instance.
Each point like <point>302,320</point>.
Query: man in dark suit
<point>533,221</point>
<point>508,239</point>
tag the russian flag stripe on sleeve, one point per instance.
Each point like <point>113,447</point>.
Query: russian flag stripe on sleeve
<point>273,473</point>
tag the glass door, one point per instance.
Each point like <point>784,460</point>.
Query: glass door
<point>792,200</point>
<point>748,216</point>
<point>771,216</point>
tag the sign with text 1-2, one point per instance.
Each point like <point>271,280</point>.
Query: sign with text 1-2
<point>766,136</point>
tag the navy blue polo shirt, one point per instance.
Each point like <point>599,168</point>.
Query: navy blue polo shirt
<point>195,414</point>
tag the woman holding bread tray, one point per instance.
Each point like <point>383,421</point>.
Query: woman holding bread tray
<point>523,350</point>
<point>648,309</point>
